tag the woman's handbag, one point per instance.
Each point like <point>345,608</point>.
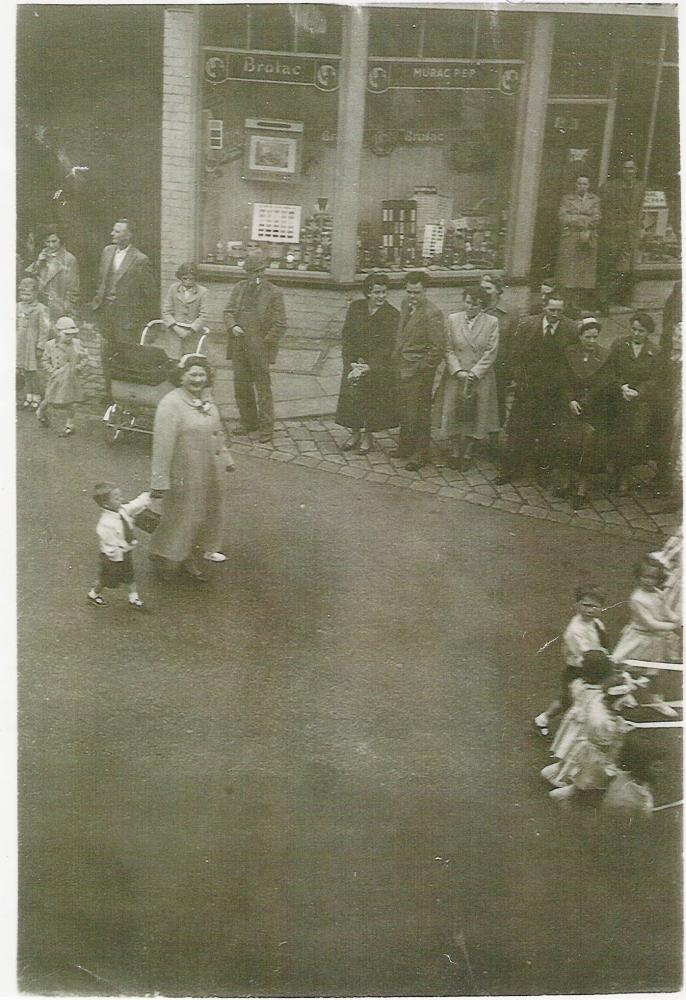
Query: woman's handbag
<point>148,520</point>
<point>465,402</point>
<point>583,237</point>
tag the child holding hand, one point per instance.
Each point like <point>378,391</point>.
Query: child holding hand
<point>585,631</point>
<point>115,531</point>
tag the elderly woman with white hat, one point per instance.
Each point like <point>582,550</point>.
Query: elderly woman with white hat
<point>255,319</point>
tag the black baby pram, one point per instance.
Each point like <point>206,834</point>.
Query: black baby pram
<point>140,378</point>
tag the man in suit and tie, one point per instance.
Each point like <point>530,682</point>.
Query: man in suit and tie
<point>537,368</point>
<point>419,348</point>
<point>123,302</point>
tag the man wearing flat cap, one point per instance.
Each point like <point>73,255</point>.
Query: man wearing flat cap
<point>255,319</point>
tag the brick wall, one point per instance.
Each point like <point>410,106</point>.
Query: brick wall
<point>179,143</point>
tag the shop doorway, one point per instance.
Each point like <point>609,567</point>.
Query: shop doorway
<point>576,138</point>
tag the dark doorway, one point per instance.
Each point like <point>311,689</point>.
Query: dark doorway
<point>573,142</point>
<point>89,93</point>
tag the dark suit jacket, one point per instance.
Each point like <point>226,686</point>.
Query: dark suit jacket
<point>271,316</point>
<point>640,372</point>
<point>421,340</point>
<point>133,304</point>
<point>533,364</point>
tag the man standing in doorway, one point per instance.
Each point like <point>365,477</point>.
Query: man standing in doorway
<point>419,348</point>
<point>255,319</point>
<point>620,227</point>
<point>123,302</point>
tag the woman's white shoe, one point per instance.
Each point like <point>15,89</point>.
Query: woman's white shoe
<point>216,557</point>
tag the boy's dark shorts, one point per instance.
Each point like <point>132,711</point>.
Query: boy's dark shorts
<point>113,574</point>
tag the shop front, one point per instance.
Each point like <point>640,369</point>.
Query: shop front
<point>343,140</point>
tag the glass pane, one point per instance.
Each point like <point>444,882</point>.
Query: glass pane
<point>319,28</point>
<point>661,242</point>
<point>435,179</point>
<point>394,32</point>
<point>449,34</point>
<point>256,185</point>
<point>272,27</point>
<point>501,36</point>
<point>225,27</point>
<point>583,54</point>
<point>632,116</point>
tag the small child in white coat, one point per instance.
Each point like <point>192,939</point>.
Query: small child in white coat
<point>115,531</point>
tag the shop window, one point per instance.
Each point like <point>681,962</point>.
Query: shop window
<point>583,54</point>
<point>449,34</point>
<point>319,28</point>
<point>435,177</point>
<point>661,231</point>
<point>225,26</point>
<point>271,183</point>
<point>394,32</point>
<point>500,35</point>
<point>272,27</point>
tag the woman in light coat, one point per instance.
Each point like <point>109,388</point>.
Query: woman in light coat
<point>189,465</point>
<point>577,258</point>
<point>466,404</point>
<point>184,313</point>
<point>57,273</point>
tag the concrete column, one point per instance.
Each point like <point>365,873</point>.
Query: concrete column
<point>180,140</point>
<point>351,111</point>
<point>529,145</point>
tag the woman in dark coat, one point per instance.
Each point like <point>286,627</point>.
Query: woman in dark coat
<point>634,367</point>
<point>586,395</point>
<point>367,397</point>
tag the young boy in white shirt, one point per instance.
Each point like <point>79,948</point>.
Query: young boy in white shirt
<point>115,531</point>
<point>584,632</point>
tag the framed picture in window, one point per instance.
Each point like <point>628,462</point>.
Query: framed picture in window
<point>272,150</point>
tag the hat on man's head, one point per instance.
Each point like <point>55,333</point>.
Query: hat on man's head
<point>256,261</point>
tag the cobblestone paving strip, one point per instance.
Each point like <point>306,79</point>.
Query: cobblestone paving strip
<point>317,444</point>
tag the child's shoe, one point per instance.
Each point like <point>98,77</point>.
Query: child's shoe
<point>549,773</point>
<point>563,793</point>
<point>97,599</point>
<point>136,604</point>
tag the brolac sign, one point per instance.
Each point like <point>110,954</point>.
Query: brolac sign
<point>222,65</point>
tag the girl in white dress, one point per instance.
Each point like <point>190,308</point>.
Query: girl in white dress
<point>590,735</point>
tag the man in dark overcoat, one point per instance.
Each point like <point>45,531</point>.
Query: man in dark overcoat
<point>255,321</point>
<point>537,368</point>
<point>419,348</point>
<point>620,228</point>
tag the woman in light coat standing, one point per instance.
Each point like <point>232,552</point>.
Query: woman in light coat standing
<point>189,464</point>
<point>466,404</point>
<point>577,258</point>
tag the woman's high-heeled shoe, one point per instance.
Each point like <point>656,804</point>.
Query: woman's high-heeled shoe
<point>352,443</point>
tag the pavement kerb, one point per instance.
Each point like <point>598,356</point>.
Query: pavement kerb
<point>318,441</point>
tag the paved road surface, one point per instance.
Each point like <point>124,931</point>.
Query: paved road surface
<point>314,776</point>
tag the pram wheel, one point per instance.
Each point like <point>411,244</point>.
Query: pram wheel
<point>114,422</point>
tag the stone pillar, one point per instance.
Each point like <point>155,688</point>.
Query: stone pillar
<point>181,122</point>
<point>529,145</point>
<point>351,112</point>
